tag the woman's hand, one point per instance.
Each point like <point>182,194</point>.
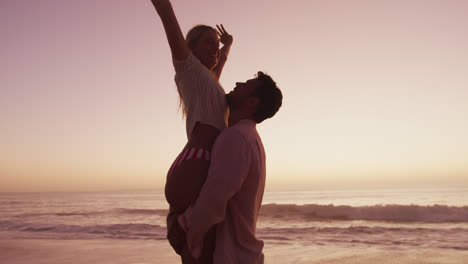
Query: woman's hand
<point>226,39</point>
<point>224,36</point>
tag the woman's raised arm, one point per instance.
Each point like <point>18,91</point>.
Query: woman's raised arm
<point>174,35</point>
<point>226,39</point>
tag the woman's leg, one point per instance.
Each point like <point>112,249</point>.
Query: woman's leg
<point>183,185</point>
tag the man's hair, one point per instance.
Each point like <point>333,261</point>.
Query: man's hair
<point>270,98</point>
<point>195,33</point>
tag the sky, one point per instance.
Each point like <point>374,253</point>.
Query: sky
<point>375,91</point>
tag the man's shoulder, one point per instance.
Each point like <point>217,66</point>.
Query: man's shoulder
<point>244,128</point>
<point>232,133</point>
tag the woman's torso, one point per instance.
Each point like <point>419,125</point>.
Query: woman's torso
<point>204,102</point>
<point>203,136</point>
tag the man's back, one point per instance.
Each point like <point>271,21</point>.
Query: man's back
<point>231,197</point>
<point>238,229</point>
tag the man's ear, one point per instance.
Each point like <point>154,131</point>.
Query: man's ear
<point>253,103</point>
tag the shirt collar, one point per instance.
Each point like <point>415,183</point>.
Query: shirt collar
<point>248,122</point>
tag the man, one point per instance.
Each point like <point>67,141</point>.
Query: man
<point>232,194</point>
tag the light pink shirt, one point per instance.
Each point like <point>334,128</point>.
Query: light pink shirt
<point>231,197</point>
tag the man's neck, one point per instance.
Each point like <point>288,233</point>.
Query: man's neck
<point>236,116</point>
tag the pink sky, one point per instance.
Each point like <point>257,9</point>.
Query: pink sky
<point>374,91</point>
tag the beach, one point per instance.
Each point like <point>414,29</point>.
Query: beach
<point>108,251</point>
<point>322,226</point>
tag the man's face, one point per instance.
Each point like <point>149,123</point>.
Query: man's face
<point>243,91</point>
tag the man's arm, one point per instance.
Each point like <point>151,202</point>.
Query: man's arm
<point>174,35</point>
<point>229,168</point>
<point>226,39</point>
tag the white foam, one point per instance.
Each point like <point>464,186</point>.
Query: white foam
<point>398,213</point>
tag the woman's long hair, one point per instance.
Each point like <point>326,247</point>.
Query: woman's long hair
<point>191,39</point>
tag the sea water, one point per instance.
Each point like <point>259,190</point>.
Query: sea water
<point>400,218</point>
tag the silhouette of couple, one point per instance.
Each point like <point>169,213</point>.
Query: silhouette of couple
<point>215,186</point>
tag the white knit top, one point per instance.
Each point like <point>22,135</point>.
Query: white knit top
<point>203,97</point>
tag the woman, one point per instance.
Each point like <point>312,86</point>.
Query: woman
<point>198,62</point>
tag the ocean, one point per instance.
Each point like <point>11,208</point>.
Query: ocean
<point>398,219</point>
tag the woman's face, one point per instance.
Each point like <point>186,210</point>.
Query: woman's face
<point>207,49</point>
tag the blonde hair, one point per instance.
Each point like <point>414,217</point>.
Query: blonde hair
<point>195,33</point>
<point>192,37</point>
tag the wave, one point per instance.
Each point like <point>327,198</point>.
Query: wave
<point>397,235</point>
<point>162,212</point>
<point>312,212</point>
<point>122,231</point>
<point>394,213</point>
<point>116,211</point>
<point>393,235</point>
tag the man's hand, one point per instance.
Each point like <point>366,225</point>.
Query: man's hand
<point>224,36</point>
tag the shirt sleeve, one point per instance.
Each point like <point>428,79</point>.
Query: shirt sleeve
<point>229,168</point>
<point>184,65</point>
